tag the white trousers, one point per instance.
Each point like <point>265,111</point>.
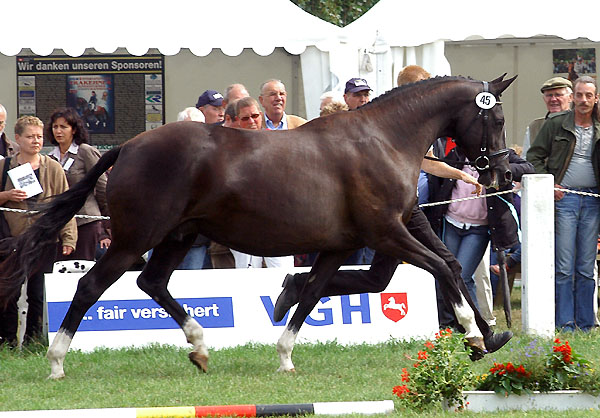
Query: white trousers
<point>244,261</point>
<point>485,297</point>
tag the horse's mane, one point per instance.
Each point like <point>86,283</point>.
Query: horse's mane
<point>428,83</point>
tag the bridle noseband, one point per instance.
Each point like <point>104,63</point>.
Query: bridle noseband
<point>486,101</point>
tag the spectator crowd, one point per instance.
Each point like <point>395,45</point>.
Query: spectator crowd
<point>563,143</point>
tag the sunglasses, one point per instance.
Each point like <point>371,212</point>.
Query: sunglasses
<point>247,118</point>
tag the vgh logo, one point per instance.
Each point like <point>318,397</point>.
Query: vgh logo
<point>394,305</point>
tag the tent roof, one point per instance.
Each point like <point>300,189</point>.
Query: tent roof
<point>404,23</point>
<point>138,25</point>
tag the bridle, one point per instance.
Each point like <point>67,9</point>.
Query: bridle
<point>486,101</point>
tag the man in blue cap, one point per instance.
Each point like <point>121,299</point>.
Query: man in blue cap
<point>357,93</point>
<point>210,103</point>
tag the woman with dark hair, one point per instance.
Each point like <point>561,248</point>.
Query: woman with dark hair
<point>67,132</point>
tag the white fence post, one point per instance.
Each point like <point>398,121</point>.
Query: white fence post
<point>537,262</point>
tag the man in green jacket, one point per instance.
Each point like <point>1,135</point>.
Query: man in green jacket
<point>567,147</point>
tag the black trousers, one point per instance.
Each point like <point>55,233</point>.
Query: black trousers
<point>376,279</point>
<point>35,311</point>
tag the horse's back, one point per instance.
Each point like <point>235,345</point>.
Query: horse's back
<point>270,192</point>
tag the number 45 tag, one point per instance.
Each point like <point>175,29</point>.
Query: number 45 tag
<point>485,100</point>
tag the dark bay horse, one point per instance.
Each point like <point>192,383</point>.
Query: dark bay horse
<point>334,185</point>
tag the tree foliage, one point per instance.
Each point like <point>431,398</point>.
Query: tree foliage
<point>338,12</point>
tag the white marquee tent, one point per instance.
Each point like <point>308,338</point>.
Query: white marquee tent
<point>394,33</point>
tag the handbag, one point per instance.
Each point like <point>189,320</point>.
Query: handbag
<point>4,228</point>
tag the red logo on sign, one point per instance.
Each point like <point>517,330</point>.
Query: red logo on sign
<point>394,305</point>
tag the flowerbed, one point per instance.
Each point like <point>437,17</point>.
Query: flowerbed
<point>442,371</point>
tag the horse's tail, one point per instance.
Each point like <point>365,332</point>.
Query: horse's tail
<point>22,254</point>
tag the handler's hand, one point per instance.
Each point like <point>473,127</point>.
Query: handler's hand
<point>67,250</point>
<point>105,243</point>
<point>467,178</point>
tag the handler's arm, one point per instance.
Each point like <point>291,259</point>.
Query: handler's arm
<point>441,169</point>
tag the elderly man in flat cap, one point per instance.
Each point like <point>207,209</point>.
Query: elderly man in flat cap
<point>568,147</point>
<point>558,95</point>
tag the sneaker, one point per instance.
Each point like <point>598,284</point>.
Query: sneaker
<point>496,341</point>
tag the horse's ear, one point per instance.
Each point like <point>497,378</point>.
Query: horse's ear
<point>499,79</point>
<point>498,87</point>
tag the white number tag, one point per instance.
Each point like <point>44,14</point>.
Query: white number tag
<point>485,100</point>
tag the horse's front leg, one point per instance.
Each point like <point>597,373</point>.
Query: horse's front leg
<point>323,269</point>
<point>285,346</point>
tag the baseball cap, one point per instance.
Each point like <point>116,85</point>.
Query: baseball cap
<point>356,84</point>
<point>210,97</point>
<point>556,83</point>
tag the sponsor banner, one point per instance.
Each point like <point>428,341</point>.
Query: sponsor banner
<point>235,307</point>
<point>101,64</point>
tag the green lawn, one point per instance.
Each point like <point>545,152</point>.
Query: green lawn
<point>163,376</point>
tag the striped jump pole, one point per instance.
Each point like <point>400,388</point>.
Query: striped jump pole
<point>317,408</point>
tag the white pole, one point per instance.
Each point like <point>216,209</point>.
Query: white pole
<point>537,262</point>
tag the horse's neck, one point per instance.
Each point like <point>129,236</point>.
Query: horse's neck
<point>423,116</point>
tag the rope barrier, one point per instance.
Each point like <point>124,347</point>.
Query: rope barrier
<point>577,192</point>
<point>445,202</point>
<point>423,205</point>
<point>33,212</point>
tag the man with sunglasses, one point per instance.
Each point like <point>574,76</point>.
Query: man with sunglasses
<point>248,116</point>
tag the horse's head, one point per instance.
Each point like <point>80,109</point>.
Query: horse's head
<point>480,132</point>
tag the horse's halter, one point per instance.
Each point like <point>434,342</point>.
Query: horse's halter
<point>481,163</point>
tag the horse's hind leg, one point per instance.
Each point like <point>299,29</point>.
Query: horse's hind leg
<point>89,289</point>
<point>154,279</point>
<point>417,244</point>
<point>325,266</point>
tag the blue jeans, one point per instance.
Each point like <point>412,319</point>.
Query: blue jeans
<point>577,219</point>
<point>468,246</point>
<point>193,260</point>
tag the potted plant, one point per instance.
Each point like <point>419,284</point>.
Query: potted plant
<point>541,377</point>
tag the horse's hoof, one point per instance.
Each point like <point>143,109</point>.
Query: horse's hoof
<point>199,360</point>
<point>56,376</point>
<point>477,348</point>
<point>292,370</point>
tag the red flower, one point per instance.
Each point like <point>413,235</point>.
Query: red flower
<point>429,345</point>
<point>422,355</point>
<point>405,375</point>
<point>400,390</point>
<point>497,367</point>
<point>510,368</point>
<point>557,340</point>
